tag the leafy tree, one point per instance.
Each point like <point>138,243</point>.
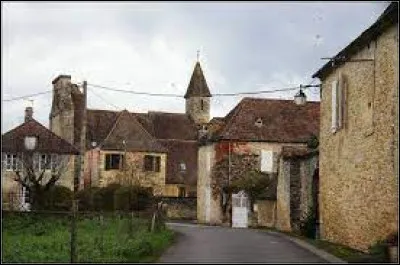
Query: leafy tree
<point>255,183</point>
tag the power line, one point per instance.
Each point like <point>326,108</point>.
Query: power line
<point>135,92</point>
<point>214,95</point>
<point>27,96</point>
<point>170,95</point>
<point>103,99</point>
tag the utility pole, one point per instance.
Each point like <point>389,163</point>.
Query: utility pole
<point>78,172</point>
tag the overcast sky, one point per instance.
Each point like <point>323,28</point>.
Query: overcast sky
<point>152,47</point>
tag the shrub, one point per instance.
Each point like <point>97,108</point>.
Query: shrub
<point>379,251</point>
<point>58,198</point>
<point>124,198</point>
<point>132,198</point>
<point>308,224</point>
<point>392,239</point>
<point>103,198</point>
<point>86,199</point>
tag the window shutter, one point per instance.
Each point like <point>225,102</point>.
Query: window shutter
<point>342,101</point>
<point>266,161</point>
<point>334,106</point>
<point>157,160</point>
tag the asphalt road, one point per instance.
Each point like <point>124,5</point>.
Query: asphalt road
<point>202,244</point>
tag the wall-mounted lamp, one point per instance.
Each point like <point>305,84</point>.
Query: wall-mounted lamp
<point>300,98</point>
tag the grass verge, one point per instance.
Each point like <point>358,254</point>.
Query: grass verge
<point>40,238</point>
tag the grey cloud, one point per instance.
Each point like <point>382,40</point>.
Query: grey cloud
<point>244,46</point>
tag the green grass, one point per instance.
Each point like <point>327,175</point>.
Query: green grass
<point>40,238</point>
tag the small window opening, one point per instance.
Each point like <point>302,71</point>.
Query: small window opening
<point>259,122</point>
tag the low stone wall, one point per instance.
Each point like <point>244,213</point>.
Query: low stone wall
<point>181,208</point>
<point>266,213</point>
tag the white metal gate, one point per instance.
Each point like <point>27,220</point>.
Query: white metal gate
<point>240,210</point>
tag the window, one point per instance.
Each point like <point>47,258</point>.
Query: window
<point>11,161</point>
<point>53,162</point>
<point>182,192</point>
<point>202,104</point>
<point>44,162</point>
<point>152,163</point>
<point>182,167</point>
<point>267,161</point>
<point>113,161</point>
<point>258,122</point>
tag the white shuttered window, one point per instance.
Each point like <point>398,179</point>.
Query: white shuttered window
<point>267,161</point>
<point>338,103</point>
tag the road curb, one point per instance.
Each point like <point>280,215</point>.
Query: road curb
<point>321,253</point>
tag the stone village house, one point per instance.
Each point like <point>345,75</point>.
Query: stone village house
<point>258,128</point>
<point>51,154</point>
<point>161,147</point>
<point>359,137</point>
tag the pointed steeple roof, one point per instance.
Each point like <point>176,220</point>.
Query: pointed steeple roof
<point>197,85</point>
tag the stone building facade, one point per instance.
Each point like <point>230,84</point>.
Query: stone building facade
<point>297,187</point>
<point>168,141</point>
<point>358,137</point>
<point>256,127</point>
<point>52,154</point>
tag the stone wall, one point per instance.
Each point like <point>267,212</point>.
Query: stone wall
<point>266,213</point>
<point>213,152</point>
<point>181,208</point>
<point>135,162</point>
<point>358,184</point>
<point>193,108</point>
<point>11,189</point>
<point>205,161</point>
<point>295,190</point>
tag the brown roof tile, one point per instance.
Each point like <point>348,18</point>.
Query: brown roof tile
<point>128,129</point>
<point>282,121</point>
<point>172,126</point>
<point>48,142</point>
<point>292,152</point>
<point>99,124</point>
<point>181,151</point>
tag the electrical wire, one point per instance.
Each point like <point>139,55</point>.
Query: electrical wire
<point>214,95</point>
<point>104,100</point>
<point>170,95</point>
<point>27,96</point>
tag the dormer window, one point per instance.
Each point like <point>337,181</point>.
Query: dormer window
<point>258,122</point>
<point>182,167</point>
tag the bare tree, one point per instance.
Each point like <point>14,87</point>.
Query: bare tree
<point>39,175</point>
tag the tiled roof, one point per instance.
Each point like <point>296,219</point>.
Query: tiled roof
<point>172,126</point>
<point>293,152</point>
<point>282,121</point>
<point>197,86</point>
<point>48,142</point>
<point>181,151</point>
<point>173,133</point>
<point>127,129</point>
<point>160,125</point>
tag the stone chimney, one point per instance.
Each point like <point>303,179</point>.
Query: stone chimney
<point>28,114</point>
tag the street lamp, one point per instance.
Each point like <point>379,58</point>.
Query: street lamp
<point>300,98</point>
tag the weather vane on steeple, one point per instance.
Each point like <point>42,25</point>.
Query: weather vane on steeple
<point>198,55</point>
